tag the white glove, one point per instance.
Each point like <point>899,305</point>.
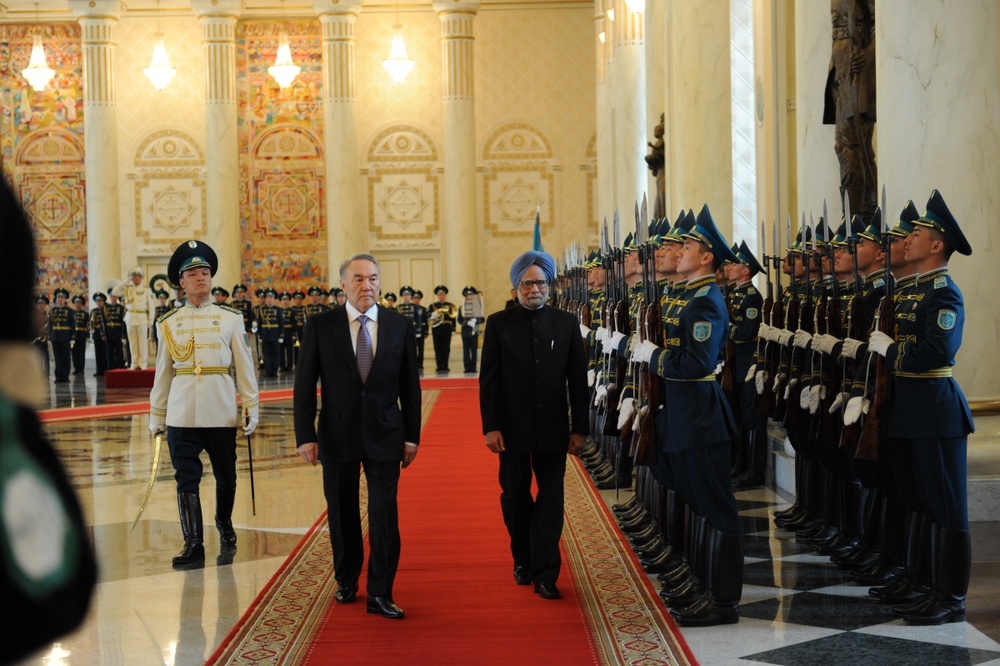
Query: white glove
<point>760,379</point>
<point>251,426</point>
<point>801,339</point>
<point>591,377</point>
<point>718,368</point>
<point>626,412</point>
<point>855,408</point>
<point>419,335</point>
<point>643,352</point>
<point>253,327</point>
<point>602,334</point>
<point>751,374</point>
<point>879,343</point>
<point>471,323</point>
<point>805,401</point>
<point>281,340</point>
<point>764,332</point>
<point>602,394</point>
<point>839,401</point>
<point>156,428</point>
<point>784,336</point>
<point>614,342</point>
<point>816,396</point>
<point>778,381</point>
<point>824,343</point>
<point>851,347</point>
<point>584,331</point>
<point>633,341</point>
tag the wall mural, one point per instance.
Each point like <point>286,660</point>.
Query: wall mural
<point>282,208</point>
<point>41,148</point>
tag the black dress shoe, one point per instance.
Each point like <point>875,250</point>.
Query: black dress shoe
<point>385,607</point>
<point>345,594</point>
<point>547,590</point>
<point>521,575</point>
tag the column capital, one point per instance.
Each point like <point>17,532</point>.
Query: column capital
<point>96,9</point>
<point>203,8</point>
<point>325,7</point>
<point>448,6</point>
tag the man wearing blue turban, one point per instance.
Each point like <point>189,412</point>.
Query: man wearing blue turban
<point>533,357</point>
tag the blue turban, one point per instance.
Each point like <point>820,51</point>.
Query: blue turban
<point>531,258</point>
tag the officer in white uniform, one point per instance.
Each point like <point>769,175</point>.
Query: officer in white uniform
<point>194,397</point>
<point>135,297</point>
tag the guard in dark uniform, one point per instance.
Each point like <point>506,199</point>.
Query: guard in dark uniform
<point>411,311</point>
<point>259,295</point>
<point>316,304</point>
<point>98,333</point>
<point>242,303</point>
<point>746,303</point>
<point>287,337</point>
<point>424,329</point>
<point>299,321</point>
<point>163,306</point>
<point>270,327</point>
<point>469,322</point>
<point>339,297</point>
<point>699,426</point>
<point>389,301</point>
<point>81,331</point>
<point>442,316</point>
<point>61,333</point>
<point>41,340</point>
<point>114,318</point>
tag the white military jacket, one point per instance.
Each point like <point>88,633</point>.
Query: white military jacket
<point>193,387</point>
<point>135,297</point>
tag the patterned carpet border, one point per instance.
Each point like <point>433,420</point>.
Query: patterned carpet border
<point>626,618</point>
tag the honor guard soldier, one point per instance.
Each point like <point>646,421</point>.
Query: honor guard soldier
<point>424,329</point>
<point>259,295</point>
<point>98,333</point>
<point>135,297</point>
<point>41,340</point>
<point>81,331</point>
<point>389,301</point>
<point>928,419</point>
<point>114,318</point>
<point>699,427</point>
<point>271,325</point>
<point>61,333</point>
<point>469,318</point>
<point>299,320</point>
<point>194,398</point>
<point>163,306</point>
<point>287,337</point>
<point>442,316</point>
<point>411,311</point>
<point>745,317</point>
<point>316,304</point>
<point>241,302</point>
<point>339,297</point>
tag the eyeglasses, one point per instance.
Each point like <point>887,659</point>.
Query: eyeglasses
<point>527,285</point>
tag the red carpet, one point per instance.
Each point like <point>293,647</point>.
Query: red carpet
<point>454,580</point>
<point>129,379</point>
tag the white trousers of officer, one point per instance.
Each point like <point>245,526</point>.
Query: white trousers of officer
<point>137,327</point>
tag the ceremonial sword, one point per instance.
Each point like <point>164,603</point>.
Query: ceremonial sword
<point>152,479</point>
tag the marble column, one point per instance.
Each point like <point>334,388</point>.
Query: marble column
<point>344,231</point>
<point>700,165</point>
<point>222,209</point>
<point>628,110</point>
<point>460,221</point>
<point>940,58</point>
<point>100,139</point>
<point>818,172</point>
<point>605,134</point>
<point>656,82</point>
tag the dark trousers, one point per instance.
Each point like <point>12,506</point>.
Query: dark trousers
<point>534,524</point>
<point>420,351</point>
<point>341,486</point>
<point>442,345</point>
<point>705,485</point>
<point>116,352</point>
<point>186,445</point>
<point>100,354</point>
<point>271,351</point>
<point>940,473</point>
<point>79,354</point>
<point>287,354</point>
<point>470,351</point>
<point>61,358</point>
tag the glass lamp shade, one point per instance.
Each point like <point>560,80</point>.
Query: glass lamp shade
<point>284,70</point>
<point>38,71</point>
<point>159,71</point>
<point>398,64</point>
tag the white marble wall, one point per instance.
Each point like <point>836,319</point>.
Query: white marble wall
<point>629,112</point>
<point>818,176</point>
<point>700,159</point>
<point>656,62</point>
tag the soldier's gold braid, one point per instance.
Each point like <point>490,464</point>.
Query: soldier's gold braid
<point>177,352</point>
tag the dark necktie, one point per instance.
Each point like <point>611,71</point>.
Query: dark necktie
<point>364,351</point>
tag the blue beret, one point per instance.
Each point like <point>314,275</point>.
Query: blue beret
<point>531,258</point>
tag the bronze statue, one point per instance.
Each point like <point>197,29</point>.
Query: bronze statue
<point>655,160</point>
<point>850,100</point>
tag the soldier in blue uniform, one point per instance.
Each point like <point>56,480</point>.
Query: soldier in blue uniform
<point>114,321</point>
<point>929,416</point>
<point>81,330</point>
<point>469,323</point>
<point>315,304</point>
<point>98,333</point>
<point>287,337</point>
<point>298,321</point>
<point>442,315</point>
<point>424,330</point>
<point>413,312</point>
<point>61,333</point>
<point>700,426</point>
<point>271,325</point>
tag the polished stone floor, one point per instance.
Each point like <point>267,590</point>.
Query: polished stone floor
<point>797,608</point>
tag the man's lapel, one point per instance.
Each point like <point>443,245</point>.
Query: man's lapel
<point>342,340</point>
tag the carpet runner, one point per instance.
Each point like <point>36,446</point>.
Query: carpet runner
<point>455,582</point>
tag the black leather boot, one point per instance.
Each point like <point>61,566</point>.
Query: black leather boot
<point>224,499</point>
<point>724,580</point>
<point>954,567</point>
<point>193,554</point>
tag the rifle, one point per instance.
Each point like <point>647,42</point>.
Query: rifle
<point>791,314</point>
<point>649,384</point>
<point>617,322</point>
<point>850,434</point>
<point>793,411</point>
<point>729,360</point>
<point>774,312</point>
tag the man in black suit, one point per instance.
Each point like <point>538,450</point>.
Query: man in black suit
<point>364,356</point>
<point>533,354</point>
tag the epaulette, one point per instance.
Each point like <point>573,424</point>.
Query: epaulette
<point>751,290</point>
<point>701,292</point>
<point>231,309</point>
<point>167,315</point>
<point>937,274</point>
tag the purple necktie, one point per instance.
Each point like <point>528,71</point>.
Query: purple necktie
<point>364,351</point>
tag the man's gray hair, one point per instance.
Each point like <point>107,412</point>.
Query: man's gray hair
<point>359,257</point>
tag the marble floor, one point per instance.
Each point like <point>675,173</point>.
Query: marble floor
<point>796,609</point>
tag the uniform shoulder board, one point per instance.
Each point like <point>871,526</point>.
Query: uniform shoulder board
<point>230,308</point>
<point>877,283</point>
<point>751,290</point>
<point>701,292</point>
<point>940,282</point>
<point>168,314</point>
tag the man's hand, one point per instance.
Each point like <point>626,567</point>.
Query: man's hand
<point>801,339</point>
<point>824,343</point>
<point>643,352</point>
<point>584,331</point>
<point>310,452</point>
<point>576,443</point>
<point>839,402</point>
<point>156,428</point>
<point>409,453</point>
<point>855,408</point>
<point>751,373</point>
<point>626,412</point>
<point>851,347</point>
<point>494,441</point>
<point>251,426</point>
<point>784,337</point>
<point>879,343</point>
<point>614,342</point>
<point>760,379</point>
<point>591,377</point>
